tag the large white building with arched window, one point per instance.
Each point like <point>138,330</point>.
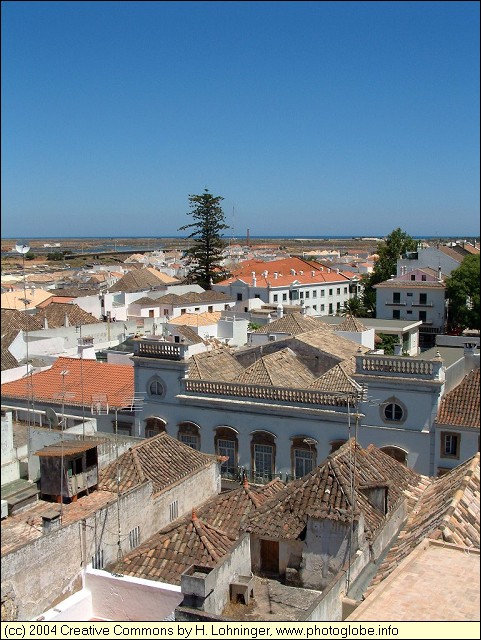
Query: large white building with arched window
<point>280,409</point>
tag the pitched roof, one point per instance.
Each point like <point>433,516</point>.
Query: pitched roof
<point>398,283</point>
<point>448,509</point>
<point>202,538</point>
<point>205,319</point>
<point>288,270</point>
<point>56,312</point>
<point>170,552</point>
<point>87,381</point>
<point>16,299</point>
<point>162,459</point>
<point>218,364</point>
<point>338,378</point>
<point>279,369</point>
<point>189,334</point>
<point>328,341</point>
<point>461,407</point>
<point>326,493</point>
<point>138,280</point>
<point>352,324</point>
<point>194,297</point>
<point>292,323</point>
<point>231,509</point>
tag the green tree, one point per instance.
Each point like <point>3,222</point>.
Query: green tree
<point>462,292</point>
<point>389,250</point>
<point>206,253</point>
<point>353,307</point>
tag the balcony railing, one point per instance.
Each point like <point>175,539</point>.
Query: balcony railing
<point>399,366</point>
<point>259,392</point>
<point>161,349</point>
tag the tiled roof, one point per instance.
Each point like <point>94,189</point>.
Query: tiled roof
<point>452,253</point>
<point>15,299</point>
<point>162,459</point>
<point>189,334</point>
<point>326,493</point>
<point>26,526</point>
<point>110,383</point>
<point>409,284</point>
<point>163,277</point>
<point>169,553</point>
<point>195,297</point>
<point>12,322</point>
<point>74,292</point>
<point>352,324</point>
<point>56,312</point>
<point>338,378</point>
<point>218,364</point>
<point>305,273</point>
<point>203,538</point>
<point>279,369</point>
<point>138,280</point>
<point>231,509</point>
<point>292,323</point>
<point>197,319</point>
<point>328,341</point>
<point>448,509</point>
<point>461,407</point>
<point>7,359</point>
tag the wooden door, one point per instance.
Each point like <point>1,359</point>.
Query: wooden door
<point>270,556</point>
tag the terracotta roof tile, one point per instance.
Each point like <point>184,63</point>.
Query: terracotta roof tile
<point>461,407</point>
<point>338,378</point>
<point>305,273</point>
<point>279,369</point>
<point>218,364</point>
<point>448,508</point>
<point>162,459</point>
<point>326,493</point>
<point>110,383</point>
<point>292,324</point>
<point>202,538</point>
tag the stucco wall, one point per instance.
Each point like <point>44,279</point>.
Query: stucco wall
<point>48,569</point>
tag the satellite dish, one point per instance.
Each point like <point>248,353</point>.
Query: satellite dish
<point>52,418</point>
<point>22,247</point>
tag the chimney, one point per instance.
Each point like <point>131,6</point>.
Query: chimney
<point>398,348</point>
<point>440,275</point>
<point>471,358</point>
<point>293,272</point>
<point>313,273</point>
<point>301,273</point>
<point>280,311</point>
<point>275,275</point>
<point>50,521</point>
<point>254,279</point>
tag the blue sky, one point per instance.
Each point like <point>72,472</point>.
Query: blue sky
<point>309,118</point>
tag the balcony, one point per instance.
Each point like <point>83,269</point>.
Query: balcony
<point>160,349</point>
<point>395,304</point>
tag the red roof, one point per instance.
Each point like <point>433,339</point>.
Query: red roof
<point>112,384</point>
<point>288,270</point>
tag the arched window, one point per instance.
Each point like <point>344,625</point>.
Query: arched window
<point>189,434</point>
<point>263,455</point>
<point>154,426</point>
<point>303,455</point>
<point>397,453</point>
<point>227,445</point>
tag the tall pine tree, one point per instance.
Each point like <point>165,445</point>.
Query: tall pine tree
<point>207,252</point>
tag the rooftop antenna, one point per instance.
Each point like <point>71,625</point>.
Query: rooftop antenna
<point>130,404</point>
<point>23,248</point>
